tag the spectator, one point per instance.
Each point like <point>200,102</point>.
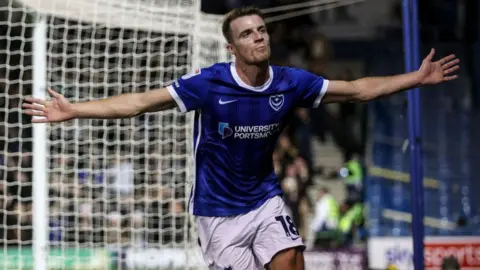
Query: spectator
<point>350,221</point>
<point>353,174</point>
<point>291,186</point>
<point>8,218</point>
<point>121,176</point>
<point>325,221</point>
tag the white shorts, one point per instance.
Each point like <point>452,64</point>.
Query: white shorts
<point>248,241</point>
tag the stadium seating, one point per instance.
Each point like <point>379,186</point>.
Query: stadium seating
<point>450,145</point>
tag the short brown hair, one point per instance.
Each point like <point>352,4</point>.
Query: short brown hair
<point>235,14</point>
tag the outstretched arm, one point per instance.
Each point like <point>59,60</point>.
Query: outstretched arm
<point>59,109</point>
<point>369,88</point>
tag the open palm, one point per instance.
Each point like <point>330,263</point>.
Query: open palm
<point>439,71</point>
<point>58,109</point>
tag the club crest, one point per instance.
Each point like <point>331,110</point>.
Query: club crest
<point>276,102</point>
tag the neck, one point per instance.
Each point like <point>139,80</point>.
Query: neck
<point>253,75</point>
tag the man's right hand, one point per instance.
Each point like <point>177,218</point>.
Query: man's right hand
<point>58,109</point>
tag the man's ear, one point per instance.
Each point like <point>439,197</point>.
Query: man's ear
<point>231,49</point>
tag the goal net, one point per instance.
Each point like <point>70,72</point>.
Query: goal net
<point>116,191</point>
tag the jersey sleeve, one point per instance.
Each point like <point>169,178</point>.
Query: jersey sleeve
<point>312,88</point>
<point>190,90</point>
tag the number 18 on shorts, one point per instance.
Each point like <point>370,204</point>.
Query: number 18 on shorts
<point>287,224</point>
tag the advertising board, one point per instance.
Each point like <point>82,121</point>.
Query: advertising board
<point>398,251</point>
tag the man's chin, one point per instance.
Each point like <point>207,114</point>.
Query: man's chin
<point>260,59</point>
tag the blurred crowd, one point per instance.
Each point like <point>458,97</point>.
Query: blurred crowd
<point>122,182</point>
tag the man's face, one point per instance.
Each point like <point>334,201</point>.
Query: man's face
<point>250,40</point>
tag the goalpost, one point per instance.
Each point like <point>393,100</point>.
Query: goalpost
<point>105,193</point>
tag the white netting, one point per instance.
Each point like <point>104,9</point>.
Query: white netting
<point>113,185</point>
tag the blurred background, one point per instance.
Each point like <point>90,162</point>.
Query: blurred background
<point>344,168</point>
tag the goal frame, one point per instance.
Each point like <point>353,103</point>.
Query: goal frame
<point>40,167</point>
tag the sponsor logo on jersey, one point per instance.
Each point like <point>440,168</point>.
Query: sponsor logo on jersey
<point>224,130</point>
<point>248,132</point>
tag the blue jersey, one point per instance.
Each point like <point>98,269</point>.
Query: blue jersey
<point>235,132</point>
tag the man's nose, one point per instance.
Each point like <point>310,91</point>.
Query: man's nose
<point>258,36</point>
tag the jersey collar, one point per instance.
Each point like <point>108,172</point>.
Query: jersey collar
<point>260,88</point>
